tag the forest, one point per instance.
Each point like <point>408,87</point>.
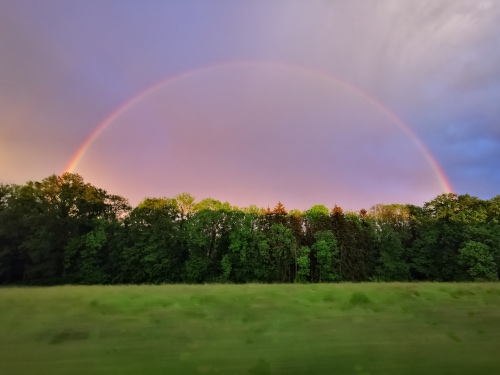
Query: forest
<point>62,230</point>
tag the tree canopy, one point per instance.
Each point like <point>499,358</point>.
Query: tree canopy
<point>64,230</point>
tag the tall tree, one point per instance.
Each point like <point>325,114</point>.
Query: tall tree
<point>277,248</point>
<point>353,261</point>
<point>243,262</point>
<point>62,207</point>
<point>304,263</point>
<point>326,253</point>
<point>185,203</point>
<point>153,250</point>
<point>478,259</point>
<point>208,238</point>
<point>392,263</point>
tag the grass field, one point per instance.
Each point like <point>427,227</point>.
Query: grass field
<point>252,329</point>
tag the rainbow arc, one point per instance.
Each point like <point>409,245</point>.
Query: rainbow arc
<point>80,153</point>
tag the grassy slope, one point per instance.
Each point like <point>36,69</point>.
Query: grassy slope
<point>251,329</point>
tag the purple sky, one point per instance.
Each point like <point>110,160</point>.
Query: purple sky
<point>272,128</point>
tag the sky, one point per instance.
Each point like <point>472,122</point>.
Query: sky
<point>352,103</point>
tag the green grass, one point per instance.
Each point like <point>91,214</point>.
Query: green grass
<point>251,329</point>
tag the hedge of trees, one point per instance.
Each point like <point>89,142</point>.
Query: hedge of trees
<point>62,230</point>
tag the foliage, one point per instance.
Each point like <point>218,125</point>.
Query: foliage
<point>392,266</point>
<point>83,257</point>
<point>316,212</point>
<point>64,230</point>
<point>277,250</point>
<point>185,203</point>
<point>303,261</point>
<point>478,259</point>
<point>326,253</point>
<point>152,250</point>
<point>243,263</point>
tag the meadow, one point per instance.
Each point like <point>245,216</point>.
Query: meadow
<point>361,329</point>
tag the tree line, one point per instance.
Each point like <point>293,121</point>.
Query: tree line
<point>62,230</point>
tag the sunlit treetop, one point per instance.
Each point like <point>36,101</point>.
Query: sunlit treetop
<point>337,210</point>
<point>279,209</point>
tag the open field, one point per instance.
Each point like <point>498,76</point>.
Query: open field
<point>251,329</point>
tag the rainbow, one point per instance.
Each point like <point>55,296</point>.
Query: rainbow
<point>80,153</point>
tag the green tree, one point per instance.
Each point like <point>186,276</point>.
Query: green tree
<point>14,229</point>
<point>208,204</point>
<point>277,249</point>
<point>443,206</point>
<point>304,263</point>
<point>153,250</point>
<point>85,258</point>
<point>470,210</point>
<point>185,203</point>
<point>392,265</point>
<point>155,205</point>
<point>208,239</point>
<point>243,262</point>
<point>478,259</point>
<point>51,213</point>
<point>317,218</point>
<point>354,262</point>
<point>493,209</point>
<point>326,253</point>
